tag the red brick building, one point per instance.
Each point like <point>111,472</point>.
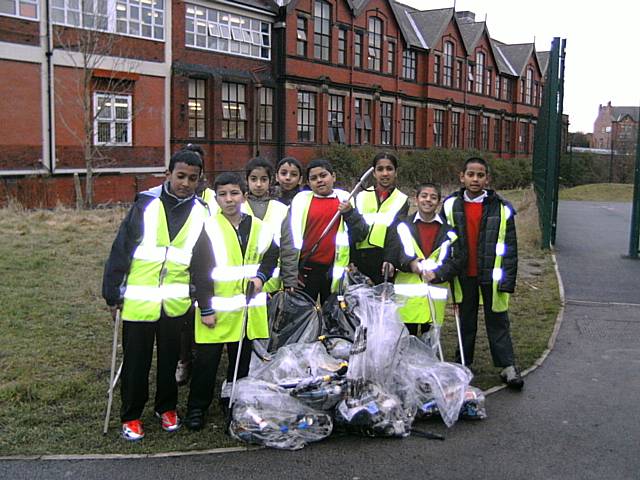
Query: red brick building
<point>616,128</point>
<point>244,78</point>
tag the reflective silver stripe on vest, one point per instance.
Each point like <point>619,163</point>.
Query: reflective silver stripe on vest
<point>407,240</point>
<point>420,290</point>
<point>227,273</point>
<point>496,274</point>
<point>156,294</point>
<point>500,248</point>
<point>148,249</point>
<point>237,302</point>
<point>215,235</point>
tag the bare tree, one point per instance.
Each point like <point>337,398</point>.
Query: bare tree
<point>105,65</point>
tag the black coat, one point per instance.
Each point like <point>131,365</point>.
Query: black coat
<point>488,237</point>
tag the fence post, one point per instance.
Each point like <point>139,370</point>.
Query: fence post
<point>635,206</point>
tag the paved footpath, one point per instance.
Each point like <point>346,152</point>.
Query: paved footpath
<point>577,418</point>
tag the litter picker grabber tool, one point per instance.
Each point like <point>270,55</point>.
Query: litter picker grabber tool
<point>434,324</point>
<point>114,348</point>
<point>327,229</point>
<point>243,330</point>
<point>456,314</point>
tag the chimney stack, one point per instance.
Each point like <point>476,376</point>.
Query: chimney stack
<point>466,16</point>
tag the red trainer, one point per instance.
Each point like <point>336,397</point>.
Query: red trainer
<point>132,430</point>
<point>169,420</point>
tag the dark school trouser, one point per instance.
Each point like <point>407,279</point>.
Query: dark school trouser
<point>317,281</point>
<point>138,339</point>
<point>414,327</point>
<point>497,324</point>
<point>369,261</point>
<point>205,368</point>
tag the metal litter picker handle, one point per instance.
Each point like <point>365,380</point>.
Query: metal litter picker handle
<point>114,348</point>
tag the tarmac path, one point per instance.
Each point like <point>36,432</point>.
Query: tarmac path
<point>577,417</point>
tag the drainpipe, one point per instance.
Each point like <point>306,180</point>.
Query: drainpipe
<point>49,54</point>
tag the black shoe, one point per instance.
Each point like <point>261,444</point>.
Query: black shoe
<point>194,419</point>
<point>512,378</point>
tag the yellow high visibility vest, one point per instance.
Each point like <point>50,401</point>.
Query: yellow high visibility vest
<point>273,218</point>
<point>209,197</point>
<point>378,218</point>
<point>159,274</point>
<point>410,288</point>
<point>230,276</point>
<point>299,210</point>
<point>500,301</point>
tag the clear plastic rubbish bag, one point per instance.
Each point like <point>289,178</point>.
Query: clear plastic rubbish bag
<point>266,414</point>
<point>473,406</point>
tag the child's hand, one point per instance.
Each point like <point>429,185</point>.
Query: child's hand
<point>257,286</point>
<point>344,207</point>
<point>209,320</point>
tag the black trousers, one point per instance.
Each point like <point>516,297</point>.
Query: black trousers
<point>138,339</point>
<point>413,328</point>
<point>369,261</point>
<point>497,324</point>
<point>186,337</point>
<point>205,368</point>
<point>317,280</point>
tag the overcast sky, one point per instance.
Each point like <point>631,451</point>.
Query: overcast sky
<point>603,39</point>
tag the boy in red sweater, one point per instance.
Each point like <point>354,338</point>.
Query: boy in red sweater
<point>318,270</point>
<point>485,221</point>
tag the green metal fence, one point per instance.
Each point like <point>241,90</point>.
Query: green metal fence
<point>547,142</point>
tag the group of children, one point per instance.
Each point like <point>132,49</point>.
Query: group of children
<point>184,256</point>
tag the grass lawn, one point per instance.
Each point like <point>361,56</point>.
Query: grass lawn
<point>56,333</point>
<point>599,192</point>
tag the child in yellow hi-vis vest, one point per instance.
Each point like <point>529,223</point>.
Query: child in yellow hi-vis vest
<point>241,251</point>
<point>424,249</point>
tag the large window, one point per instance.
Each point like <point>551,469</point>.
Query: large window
<point>357,49</point>
<point>391,57</point>
<point>498,83</point>
<point>409,64</point>
<point>455,129</point>
<point>322,30</point>
<point>408,126</point>
<point>362,110</point>
<point>224,32</point>
<point>438,128</point>
<point>529,86</point>
<point>306,117</point>
<point>459,70</point>
<point>130,17</point>
<point>484,133</point>
<point>301,36</point>
<point>480,72</point>
<point>447,79</point>
<point>335,119</point>
<point>112,119</point>
<point>472,120</point>
<point>507,88</point>
<point>386,123</point>
<point>234,111</point>
<point>488,91</point>
<point>342,46</point>
<point>497,135</point>
<point>469,78</point>
<point>265,113</point>
<point>375,44</point>
<point>523,138</point>
<point>197,107</point>
<point>20,8</point>
<point>507,136</point>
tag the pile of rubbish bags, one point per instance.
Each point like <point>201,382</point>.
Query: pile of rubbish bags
<point>352,367</point>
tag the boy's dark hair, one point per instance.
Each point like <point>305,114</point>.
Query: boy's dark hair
<point>318,163</point>
<point>423,185</point>
<point>185,156</point>
<point>385,156</point>
<point>192,147</point>
<point>478,160</point>
<point>229,178</point>
<point>258,162</point>
<point>291,160</point>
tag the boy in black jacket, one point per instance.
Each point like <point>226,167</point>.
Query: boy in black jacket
<point>485,221</point>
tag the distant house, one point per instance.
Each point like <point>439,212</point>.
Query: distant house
<point>616,128</point>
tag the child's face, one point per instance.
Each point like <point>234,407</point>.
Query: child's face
<point>321,181</point>
<point>428,201</point>
<point>230,198</point>
<point>183,180</point>
<point>385,173</point>
<point>259,181</point>
<point>475,178</point>
<point>288,177</point>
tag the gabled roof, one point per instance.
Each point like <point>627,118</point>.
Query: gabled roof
<point>267,5</point>
<point>543,61</point>
<point>403,14</point>
<point>503,63</point>
<point>432,24</point>
<point>618,113</point>
<point>471,33</point>
<point>518,55</point>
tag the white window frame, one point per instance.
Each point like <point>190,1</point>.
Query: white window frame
<point>16,4</point>
<point>241,34</point>
<point>112,120</point>
<point>113,7</point>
